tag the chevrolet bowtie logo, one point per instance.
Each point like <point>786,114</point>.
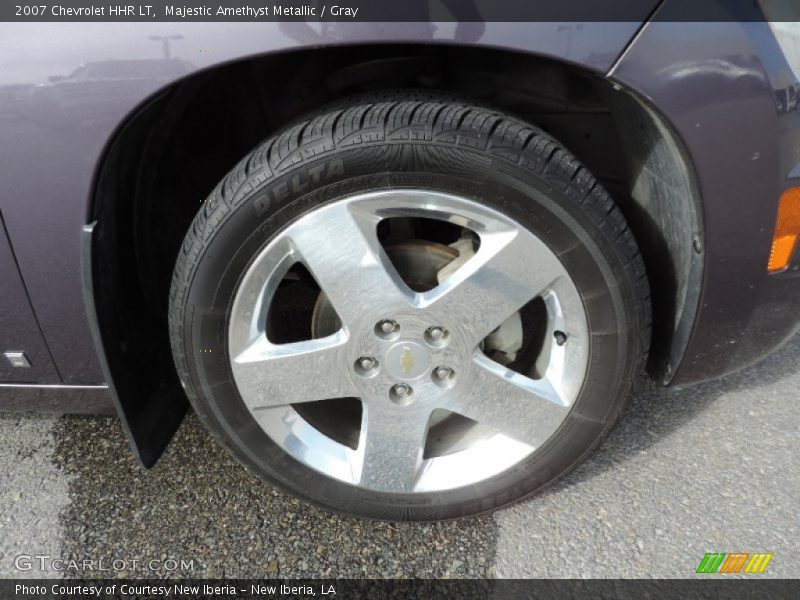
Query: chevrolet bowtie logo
<point>407,360</point>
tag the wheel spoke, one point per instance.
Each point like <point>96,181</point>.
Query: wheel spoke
<point>393,440</point>
<point>343,253</point>
<point>270,375</point>
<point>529,410</point>
<point>510,269</point>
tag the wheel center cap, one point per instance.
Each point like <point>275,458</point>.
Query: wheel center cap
<point>407,360</point>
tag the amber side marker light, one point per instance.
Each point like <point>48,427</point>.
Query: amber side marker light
<point>787,230</point>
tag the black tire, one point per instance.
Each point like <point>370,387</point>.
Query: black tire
<point>442,144</point>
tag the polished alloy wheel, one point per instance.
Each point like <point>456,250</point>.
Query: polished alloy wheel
<point>412,358</point>
<point>409,307</point>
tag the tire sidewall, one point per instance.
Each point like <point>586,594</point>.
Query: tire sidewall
<point>595,265</point>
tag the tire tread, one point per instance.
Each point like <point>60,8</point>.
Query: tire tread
<point>442,120</point>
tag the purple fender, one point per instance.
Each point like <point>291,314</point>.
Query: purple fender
<point>720,86</point>
<point>95,75</point>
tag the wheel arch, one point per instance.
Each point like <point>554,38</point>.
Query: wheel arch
<point>171,151</point>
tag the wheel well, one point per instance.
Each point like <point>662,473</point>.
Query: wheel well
<point>172,152</point>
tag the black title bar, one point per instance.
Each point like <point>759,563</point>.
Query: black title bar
<point>399,10</point>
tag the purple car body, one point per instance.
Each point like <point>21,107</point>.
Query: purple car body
<point>720,92</point>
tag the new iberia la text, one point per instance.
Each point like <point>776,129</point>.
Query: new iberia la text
<point>257,590</point>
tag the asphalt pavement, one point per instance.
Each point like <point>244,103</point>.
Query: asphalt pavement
<point>711,468</point>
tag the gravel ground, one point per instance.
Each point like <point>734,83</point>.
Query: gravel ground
<point>710,468</point>
<point>33,491</point>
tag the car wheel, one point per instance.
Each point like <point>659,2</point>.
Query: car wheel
<point>409,309</point>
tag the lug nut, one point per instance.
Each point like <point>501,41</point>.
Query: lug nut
<point>436,336</point>
<point>436,333</point>
<point>443,372</point>
<point>366,366</point>
<point>388,326</point>
<point>401,390</point>
<point>387,329</point>
<point>401,393</point>
<point>444,377</point>
<point>561,338</point>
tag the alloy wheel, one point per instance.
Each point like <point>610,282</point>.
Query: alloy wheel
<point>409,356</point>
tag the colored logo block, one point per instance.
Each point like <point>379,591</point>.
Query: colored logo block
<point>734,562</point>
